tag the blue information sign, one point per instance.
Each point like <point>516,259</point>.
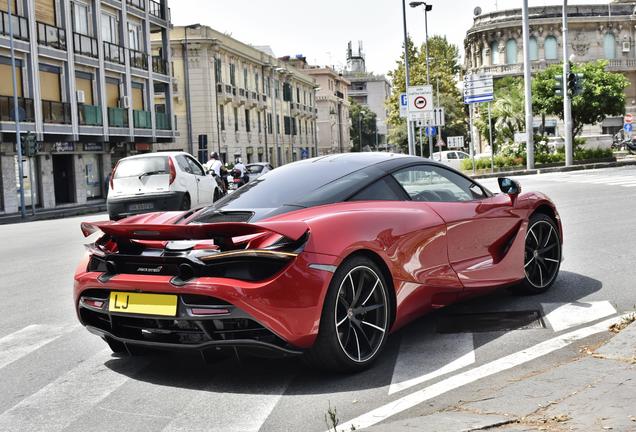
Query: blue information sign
<point>431,131</point>
<point>628,127</point>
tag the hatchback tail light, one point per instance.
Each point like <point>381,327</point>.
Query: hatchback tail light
<point>112,176</point>
<point>173,172</point>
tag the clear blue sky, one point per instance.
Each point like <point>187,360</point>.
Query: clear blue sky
<point>320,29</point>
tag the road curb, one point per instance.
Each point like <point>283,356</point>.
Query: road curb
<point>56,213</point>
<point>589,166</point>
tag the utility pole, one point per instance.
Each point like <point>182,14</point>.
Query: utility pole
<point>567,99</point>
<point>528,86</point>
<point>16,115</point>
<point>408,79</point>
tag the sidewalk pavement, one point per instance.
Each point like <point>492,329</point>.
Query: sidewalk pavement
<point>54,213</point>
<point>553,169</point>
<point>596,392</point>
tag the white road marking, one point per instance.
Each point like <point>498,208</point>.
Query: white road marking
<point>64,400</point>
<point>563,316</point>
<point>231,411</point>
<point>508,362</point>
<point>23,342</point>
<point>421,360</point>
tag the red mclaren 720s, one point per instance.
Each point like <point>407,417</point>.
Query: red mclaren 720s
<point>323,258</point>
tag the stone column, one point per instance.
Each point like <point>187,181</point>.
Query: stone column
<point>80,179</point>
<point>10,194</point>
<point>47,187</point>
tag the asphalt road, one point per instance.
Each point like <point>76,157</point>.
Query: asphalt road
<point>56,376</point>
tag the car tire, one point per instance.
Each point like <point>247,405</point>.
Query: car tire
<point>542,256</point>
<point>185,203</point>
<point>351,336</point>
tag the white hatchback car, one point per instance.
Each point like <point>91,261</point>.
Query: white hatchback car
<point>255,170</point>
<point>159,182</point>
<point>452,158</point>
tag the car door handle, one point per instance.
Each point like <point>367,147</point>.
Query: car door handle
<point>198,179</point>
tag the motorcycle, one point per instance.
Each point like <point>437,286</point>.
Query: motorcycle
<point>235,180</point>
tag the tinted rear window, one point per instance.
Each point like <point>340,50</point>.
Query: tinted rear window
<point>138,166</point>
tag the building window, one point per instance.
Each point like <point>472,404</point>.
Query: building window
<point>233,74</point>
<point>609,46</point>
<point>511,51</point>
<point>202,154</point>
<point>277,124</point>
<point>110,28</point>
<point>258,116</point>
<point>533,48</point>
<point>222,115</point>
<point>217,70</point>
<point>269,123</point>
<point>550,47</point>
<point>287,121</point>
<point>81,14</point>
<point>256,81</point>
<point>235,119</point>
<point>494,53</point>
<point>134,36</point>
<point>268,90</point>
<point>248,126</point>
<point>245,83</point>
<point>298,94</point>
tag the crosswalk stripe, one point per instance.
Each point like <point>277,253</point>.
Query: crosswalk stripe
<point>421,360</point>
<point>23,342</point>
<point>62,401</point>
<point>562,316</point>
<point>232,411</point>
<point>477,373</point>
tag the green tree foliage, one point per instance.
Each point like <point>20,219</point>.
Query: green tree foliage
<point>602,94</point>
<point>362,119</point>
<point>444,68</point>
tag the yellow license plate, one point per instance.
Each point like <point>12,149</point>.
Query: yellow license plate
<point>147,304</point>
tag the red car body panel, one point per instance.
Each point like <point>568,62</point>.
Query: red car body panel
<point>435,253</point>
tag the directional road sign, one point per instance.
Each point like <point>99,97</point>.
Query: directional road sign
<point>435,117</point>
<point>420,101</point>
<point>431,131</point>
<point>628,127</point>
<point>478,88</point>
<point>404,103</point>
<point>455,142</point>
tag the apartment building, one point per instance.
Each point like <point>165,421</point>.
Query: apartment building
<point>86,85</point>
<point>238,100</point>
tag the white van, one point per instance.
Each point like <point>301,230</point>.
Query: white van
<point>452,158</point>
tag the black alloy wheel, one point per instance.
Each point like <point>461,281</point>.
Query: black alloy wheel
<point>355,319</point>
<point>542,255</point>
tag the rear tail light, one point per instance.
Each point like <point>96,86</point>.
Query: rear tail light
<point>173,172</point>
<point>112,176</point>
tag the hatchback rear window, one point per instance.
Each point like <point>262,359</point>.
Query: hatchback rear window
<point>138,166</point>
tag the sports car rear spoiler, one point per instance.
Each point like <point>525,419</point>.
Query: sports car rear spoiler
<point>292,230</point>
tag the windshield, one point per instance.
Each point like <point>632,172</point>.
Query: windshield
<point>138,166</point>
<point>254,169</point>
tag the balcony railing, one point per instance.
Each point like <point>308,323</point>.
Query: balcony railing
<point>118,117</point>
<point>138,59</point>
<point>114,53</point>
<point>142,119</point>
<point>56,112</point>
<point>156,9</point>
<point>160,65</point>
<point>20,26</point>
<point>163,120</point>
<point>51,36</point>
<point>85,45</point>
<point>139,4</point>
<point>90,115</point>
<point>25,109</point>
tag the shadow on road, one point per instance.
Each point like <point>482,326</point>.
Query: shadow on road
<point>250,375</point>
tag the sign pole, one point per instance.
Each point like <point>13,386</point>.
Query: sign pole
<point>421,143</point>
<point>407,79</point>
<point>430,143</point>
<point>492,144</point>
<point>31,182</point>
<point>470,134</point>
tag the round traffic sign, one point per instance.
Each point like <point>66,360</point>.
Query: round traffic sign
<point>629,118</point>
<point>420,102</point>
<point>627,127</point>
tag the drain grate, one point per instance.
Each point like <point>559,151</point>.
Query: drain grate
<point>490,322</point>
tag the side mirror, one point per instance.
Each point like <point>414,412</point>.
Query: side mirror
<point>509,186</point>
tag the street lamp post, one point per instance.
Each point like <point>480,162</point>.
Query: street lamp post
<point>16,116</point>
<point>427,9</point>
<point>567,99</point>
<point>408,79</point>
<point>527,76</point>
<point>187,85</point>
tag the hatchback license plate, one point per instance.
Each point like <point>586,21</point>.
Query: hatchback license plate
<point>146,304</point>
<point>141,206</point>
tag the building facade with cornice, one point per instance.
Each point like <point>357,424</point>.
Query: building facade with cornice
<point>494,44</point>
<point>239,100</point>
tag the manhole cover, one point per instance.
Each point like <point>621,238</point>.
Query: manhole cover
<point>490,322</point>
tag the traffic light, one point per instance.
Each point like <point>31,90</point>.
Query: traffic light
<point>558,85</point>
<point>30,147</point>
<point>578,85</point>
<point>571,82</point>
